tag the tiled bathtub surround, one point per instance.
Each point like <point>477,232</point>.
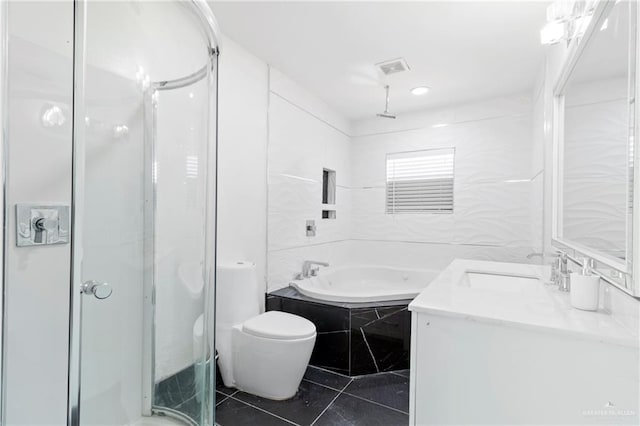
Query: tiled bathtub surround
<point>353,338</point>
<point>497,189</point>
<point>305,136</point>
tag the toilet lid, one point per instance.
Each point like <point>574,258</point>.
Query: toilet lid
<point>279,325</point>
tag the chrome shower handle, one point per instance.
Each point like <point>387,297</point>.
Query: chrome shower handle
<point>98,289</point>
<point>41,226</point>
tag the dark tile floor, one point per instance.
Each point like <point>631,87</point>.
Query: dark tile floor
<point>179,393</point>
<point>324,398</point>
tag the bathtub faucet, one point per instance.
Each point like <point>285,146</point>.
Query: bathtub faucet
<point>306,267</point>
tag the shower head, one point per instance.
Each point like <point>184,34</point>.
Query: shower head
<point>386,113</point>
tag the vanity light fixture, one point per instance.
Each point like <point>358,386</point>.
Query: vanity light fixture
<point>420,90</point>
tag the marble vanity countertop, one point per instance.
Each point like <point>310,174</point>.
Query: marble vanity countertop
<point>521,302</point>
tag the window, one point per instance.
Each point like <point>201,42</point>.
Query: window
<point>420,181</point>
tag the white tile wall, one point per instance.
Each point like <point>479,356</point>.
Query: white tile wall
<point>285,87</point>
<point>283,264</point>
<point>305,136</point>
<point>536,195</point>
<point>494,183</point>
<point>242,157</point>
<point>493,187</point>
<point>403,254</point>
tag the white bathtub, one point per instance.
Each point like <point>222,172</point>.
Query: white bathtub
<point>355,284</point>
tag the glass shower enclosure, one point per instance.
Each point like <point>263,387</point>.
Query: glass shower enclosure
<point>142,116</point>
<point>144,211</point>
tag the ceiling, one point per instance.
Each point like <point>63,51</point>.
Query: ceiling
<point>463,51</point>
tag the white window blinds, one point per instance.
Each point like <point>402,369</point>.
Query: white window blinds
<point>420,181</point>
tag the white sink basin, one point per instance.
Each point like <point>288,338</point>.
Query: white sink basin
<point>497,281</point>
<point>516,294</point>
<point>497,340</point>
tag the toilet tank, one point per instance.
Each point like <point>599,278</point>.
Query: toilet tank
<point>238,296</point>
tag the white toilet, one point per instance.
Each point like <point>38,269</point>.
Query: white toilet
<point>262,354</point>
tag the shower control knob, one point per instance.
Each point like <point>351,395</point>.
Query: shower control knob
<point>98,289</point>
<point>42,226</point>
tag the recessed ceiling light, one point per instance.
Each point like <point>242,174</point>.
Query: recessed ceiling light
<point>419,90</point>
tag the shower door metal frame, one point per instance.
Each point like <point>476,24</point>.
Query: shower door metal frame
<point>209,71</point>
<point>148,276</point>
<point>4,144</point>
<point>212,34</point>
<point>77,200</point>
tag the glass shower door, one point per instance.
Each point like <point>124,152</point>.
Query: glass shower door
<point>144,164</point>
<point>180,367</point>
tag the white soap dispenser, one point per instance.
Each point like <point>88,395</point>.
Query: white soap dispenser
<point>585,287</point>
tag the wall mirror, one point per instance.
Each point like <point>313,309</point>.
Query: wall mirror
<point>594,145</point>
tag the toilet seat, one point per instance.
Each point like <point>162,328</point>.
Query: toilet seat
<point>279,326</point>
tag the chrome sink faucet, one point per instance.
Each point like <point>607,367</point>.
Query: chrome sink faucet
<point>306,267</point>
<point>560,274</point>
<point>554,278</point>
<point>564,279</point>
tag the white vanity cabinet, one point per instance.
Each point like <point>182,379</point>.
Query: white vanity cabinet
<point>492,344</point>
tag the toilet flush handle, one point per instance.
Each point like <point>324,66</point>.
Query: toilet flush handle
<point>98,289</point>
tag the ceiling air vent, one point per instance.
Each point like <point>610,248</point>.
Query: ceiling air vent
<point>393,66</point>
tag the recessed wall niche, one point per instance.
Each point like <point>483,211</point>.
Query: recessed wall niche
<point>328,194</point>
